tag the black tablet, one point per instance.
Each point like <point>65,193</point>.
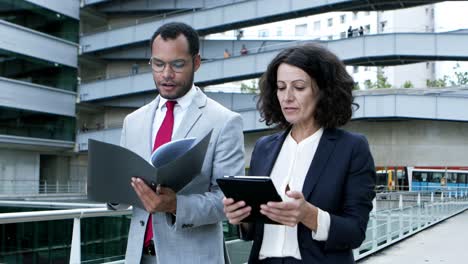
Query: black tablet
<point>254,191</point>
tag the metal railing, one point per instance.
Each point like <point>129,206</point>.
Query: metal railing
<point>75,214</point>
<point>32,187</point>
<point>408,213</point>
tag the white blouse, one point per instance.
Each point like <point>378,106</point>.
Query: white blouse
<point>291,168</point>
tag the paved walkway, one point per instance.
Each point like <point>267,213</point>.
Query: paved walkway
<point>444,243</point>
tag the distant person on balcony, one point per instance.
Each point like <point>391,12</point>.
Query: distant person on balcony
<point>324,175</point>
<point>361,31</point>
<point>183,227</point>
<point>350,32</point>
<point>226,54</point>
<point>244,50</point>
<point>135,68</point>
<point>240,34</point>
<point>84,127</point>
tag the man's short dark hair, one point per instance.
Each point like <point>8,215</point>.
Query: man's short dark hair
<point>335,85</point>
<point>172,30</point>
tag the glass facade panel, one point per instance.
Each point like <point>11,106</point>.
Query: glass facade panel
<point>35,17</point>
<point>28,69</point>
<point>103,239</point>
<point>24,123</point>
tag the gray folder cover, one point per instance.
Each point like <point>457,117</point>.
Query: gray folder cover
<point>111,167</point>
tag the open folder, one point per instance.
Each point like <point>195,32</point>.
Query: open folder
<point>111,168</point>
<point>254,191</point>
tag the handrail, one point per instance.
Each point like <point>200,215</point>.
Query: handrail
<point>256,50</point>
<point>23,217</point>
<point>407,219</point>
<point>151,18</point>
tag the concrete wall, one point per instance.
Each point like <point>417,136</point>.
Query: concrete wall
<point>18,169</point>
<point>404,143</point>
<point>415,142</point>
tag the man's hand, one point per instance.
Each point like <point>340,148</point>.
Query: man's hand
<point>163,200</point>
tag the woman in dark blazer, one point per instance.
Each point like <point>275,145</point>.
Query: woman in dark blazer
<point>325,175</point>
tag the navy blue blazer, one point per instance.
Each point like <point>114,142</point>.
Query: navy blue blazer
<point>340,180</point>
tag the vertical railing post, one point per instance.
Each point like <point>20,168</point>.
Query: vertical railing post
<point>400,218</point>
<point>411,218</point>
<point>389,227</point>
<point>374,225</point>
<point>75,250</point>
<point>418,218</point>
<point>400,202</point>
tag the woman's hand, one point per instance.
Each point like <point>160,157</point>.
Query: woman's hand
<point>292,212</point>
<point>235,211</point>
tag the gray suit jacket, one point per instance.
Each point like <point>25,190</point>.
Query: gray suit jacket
<point>196,235</point>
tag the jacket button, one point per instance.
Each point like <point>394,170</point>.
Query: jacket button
<point>142,223</point>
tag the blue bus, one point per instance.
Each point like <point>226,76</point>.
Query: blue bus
<point>437,178</point>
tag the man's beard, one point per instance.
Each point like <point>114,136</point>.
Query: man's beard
<point>180,93</point>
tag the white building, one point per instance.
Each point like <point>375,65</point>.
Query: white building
<point>440,17</point>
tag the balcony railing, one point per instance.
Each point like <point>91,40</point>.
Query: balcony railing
<point>405,213</point>
<point>32,187</point>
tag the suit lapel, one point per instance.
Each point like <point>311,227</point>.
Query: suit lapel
<point>148,121</point>
<point>320,160</point>
<point>191,116</point>
<point>271,155</point>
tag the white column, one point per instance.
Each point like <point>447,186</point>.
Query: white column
<point>75,251</point>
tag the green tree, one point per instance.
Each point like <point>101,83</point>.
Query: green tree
<point>461,77</point>
<point>408,84</point>
<point>253,88</point>
<point>356,86</point>
<point>438,83</point>
<point>381,82</point>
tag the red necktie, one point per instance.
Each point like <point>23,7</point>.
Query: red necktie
<point>163,136</point>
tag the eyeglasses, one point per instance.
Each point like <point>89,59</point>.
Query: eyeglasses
<point>158,65</point>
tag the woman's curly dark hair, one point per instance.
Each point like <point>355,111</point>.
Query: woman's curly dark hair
<point>335,85</point>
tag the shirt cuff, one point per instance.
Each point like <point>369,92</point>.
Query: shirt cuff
<point>323,226</point>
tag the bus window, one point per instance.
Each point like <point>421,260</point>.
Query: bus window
<point>417,176</point>
<point>462,178</point>
<point>424,176</point>
<point>451,177</point>
<point>436,176</point>
<point>381,179</point>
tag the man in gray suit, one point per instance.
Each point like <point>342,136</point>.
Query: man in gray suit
<point>186,227</point>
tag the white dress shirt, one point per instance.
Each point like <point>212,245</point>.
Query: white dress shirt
<point>180,110</point>
<point>291,168</point>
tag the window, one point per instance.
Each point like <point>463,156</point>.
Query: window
<point>330,22</point>
<point>330,37</point>
<point>343,19</point>
<point>317,25</point>
<point>343,34</point>
<point>300,30</point>
<point>382,25</point>
<point>279,31</point>
<point>355,15</point>
<point>263,33</point>
<point>367,29</point>
<point>355,69</point>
